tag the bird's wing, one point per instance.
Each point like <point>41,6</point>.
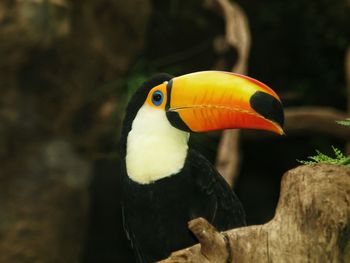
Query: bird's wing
<point>222,207</point>
<point>125,216</point>
<point>131,237</point>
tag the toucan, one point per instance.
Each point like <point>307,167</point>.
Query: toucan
<point>164,183</point>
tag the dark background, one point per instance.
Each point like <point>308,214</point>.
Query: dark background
<point>67,70</point>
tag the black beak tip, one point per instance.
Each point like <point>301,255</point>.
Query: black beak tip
<point>268,106</point>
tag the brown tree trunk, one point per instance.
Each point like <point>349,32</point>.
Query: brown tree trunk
<point>44,204</point>
<point>54,56</point>
<point>311,224</point>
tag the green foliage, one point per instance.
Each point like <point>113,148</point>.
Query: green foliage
<point>320,157</point>
<point>345,122</point>
<point>339,158</point>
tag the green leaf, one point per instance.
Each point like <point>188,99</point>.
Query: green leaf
<point>320,157</point>
<point>345,122</point>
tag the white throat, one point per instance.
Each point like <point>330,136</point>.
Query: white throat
<point>154,149</point>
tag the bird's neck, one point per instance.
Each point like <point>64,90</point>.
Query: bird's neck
<point>154,149</point>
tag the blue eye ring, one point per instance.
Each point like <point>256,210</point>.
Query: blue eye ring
<point>157,97</point>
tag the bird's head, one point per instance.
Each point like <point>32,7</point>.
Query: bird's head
<point>165,109</point>
<point>213,100</point>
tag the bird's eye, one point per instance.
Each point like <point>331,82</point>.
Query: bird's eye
<point>157,97</point>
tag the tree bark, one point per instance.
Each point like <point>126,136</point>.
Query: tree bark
<point>311,224</point>
<point>54,56</point>
<point>309,120</point>
<point>44,204</point>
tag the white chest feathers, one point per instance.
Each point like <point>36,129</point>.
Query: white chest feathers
<point>155,149</point>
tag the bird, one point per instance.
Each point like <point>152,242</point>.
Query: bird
<point>164,183</point>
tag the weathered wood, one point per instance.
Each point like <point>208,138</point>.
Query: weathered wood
<point>227,159</point>
<point>309,120</point>
<point>54,56</point>
<point>322,119</point>
<point>311,224</point>
<point>44,204</point>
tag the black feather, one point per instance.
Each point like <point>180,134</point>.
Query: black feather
<point>156,214</point>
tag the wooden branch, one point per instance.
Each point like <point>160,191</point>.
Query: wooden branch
<point>316,119</point>
<point>311,224</point>
<point>303,120</point>
<point>227,159</point>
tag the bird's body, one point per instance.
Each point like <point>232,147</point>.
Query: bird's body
<point>202,192</point>
<point>164,183</point>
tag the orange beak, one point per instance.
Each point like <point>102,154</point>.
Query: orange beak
<point>214,100</point>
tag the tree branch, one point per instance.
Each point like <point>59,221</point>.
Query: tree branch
<point>303,120</point>
<point>311,224</point>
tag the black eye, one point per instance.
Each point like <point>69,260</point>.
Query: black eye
<point>157,97</point>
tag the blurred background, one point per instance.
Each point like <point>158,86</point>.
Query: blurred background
<point>68,68</point>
